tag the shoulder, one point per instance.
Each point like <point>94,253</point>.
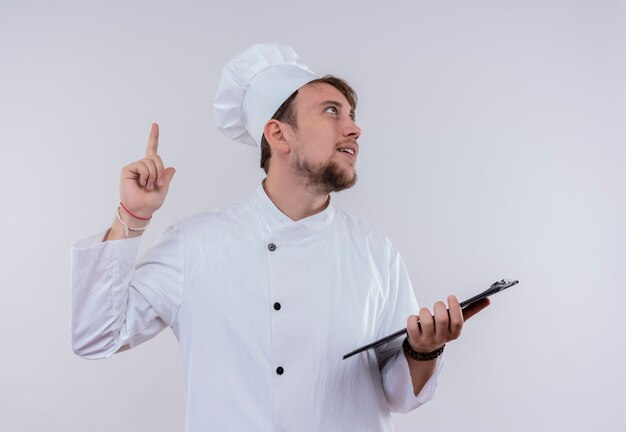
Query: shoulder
<point>363,234</point>
<point>220,220</point>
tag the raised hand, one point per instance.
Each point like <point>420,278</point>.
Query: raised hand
<point>144,184</point>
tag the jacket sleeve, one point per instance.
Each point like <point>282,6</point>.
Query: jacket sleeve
<point>116,305</point>
<point>392,362</point>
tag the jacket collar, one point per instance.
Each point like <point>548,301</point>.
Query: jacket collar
<point>274,220</point>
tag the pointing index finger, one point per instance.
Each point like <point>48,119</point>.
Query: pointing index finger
<point>153,141</point>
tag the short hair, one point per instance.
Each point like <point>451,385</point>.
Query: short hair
<point>287,112</point>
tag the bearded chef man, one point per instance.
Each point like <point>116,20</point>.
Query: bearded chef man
<point>266,295</point>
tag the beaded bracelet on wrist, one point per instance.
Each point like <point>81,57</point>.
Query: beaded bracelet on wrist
<point>128,228</point>
<point>420,356</point>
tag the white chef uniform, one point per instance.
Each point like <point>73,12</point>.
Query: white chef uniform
<point>263,309</point>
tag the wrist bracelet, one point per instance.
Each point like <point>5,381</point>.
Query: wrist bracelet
<point>133,214</point>
<point>126,227</point>
<point>421,356</point>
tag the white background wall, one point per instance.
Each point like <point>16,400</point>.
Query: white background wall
<point>493,146</point>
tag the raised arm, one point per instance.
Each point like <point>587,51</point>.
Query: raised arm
<point>119,302</point>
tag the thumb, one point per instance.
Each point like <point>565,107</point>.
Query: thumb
<point>169,174</point>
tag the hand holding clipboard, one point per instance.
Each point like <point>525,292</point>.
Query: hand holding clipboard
<point>496,287</point>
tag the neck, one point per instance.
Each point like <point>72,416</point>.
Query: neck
<point>293,198</point>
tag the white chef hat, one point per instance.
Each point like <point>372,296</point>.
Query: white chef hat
<point>253,86</point>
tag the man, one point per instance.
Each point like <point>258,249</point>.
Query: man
<point>265,296</point>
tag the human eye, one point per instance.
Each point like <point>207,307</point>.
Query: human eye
<point>333,108</point>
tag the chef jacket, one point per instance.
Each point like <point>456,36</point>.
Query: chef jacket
<point>263,308</point>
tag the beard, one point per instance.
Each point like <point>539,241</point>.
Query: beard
<point>325,178</point>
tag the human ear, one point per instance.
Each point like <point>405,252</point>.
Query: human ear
<point>275,136</point>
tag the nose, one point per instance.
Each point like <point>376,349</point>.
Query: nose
<point>352,130</point>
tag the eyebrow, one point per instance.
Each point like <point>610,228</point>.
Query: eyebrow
<point>339,104</point>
